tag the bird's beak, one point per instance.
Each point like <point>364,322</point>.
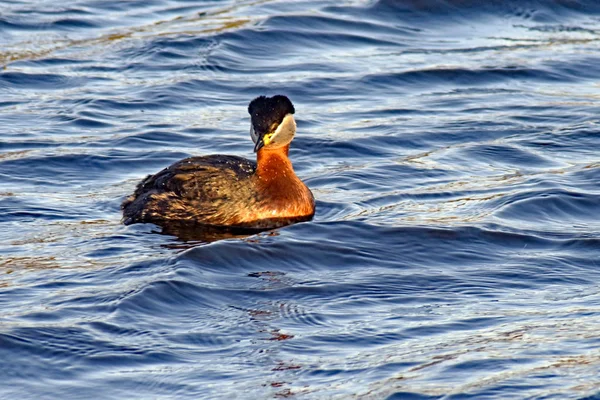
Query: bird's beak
<point>259,143</point>
<point>264,138</point>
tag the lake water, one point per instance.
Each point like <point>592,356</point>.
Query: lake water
<point>453,148</point>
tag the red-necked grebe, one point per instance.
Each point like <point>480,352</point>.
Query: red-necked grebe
<point>229,191</point>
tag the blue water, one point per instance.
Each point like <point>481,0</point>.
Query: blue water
<point>452,146</point>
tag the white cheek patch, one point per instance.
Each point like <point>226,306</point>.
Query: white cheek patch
<point>285,131</point>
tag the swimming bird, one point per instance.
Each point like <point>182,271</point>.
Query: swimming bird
<point>230,191</point>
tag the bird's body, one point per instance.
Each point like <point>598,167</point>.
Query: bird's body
<point>230,191</point>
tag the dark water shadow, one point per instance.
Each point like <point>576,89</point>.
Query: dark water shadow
<point>190,235</point>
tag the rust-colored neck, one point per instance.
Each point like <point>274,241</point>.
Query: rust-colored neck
<point>283,195</point>
<point>274,163</point>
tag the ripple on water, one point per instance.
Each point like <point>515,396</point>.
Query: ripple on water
<point>19,80</point>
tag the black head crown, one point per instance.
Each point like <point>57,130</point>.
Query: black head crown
<point>268,112</point>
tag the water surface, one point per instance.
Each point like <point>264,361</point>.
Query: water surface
<point>453,151</point>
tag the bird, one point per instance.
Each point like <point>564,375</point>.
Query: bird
<point>229,191</point>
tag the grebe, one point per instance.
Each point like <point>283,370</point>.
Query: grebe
<point>229,191</point>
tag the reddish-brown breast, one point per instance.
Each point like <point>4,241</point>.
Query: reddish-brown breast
<point>283,194</point>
